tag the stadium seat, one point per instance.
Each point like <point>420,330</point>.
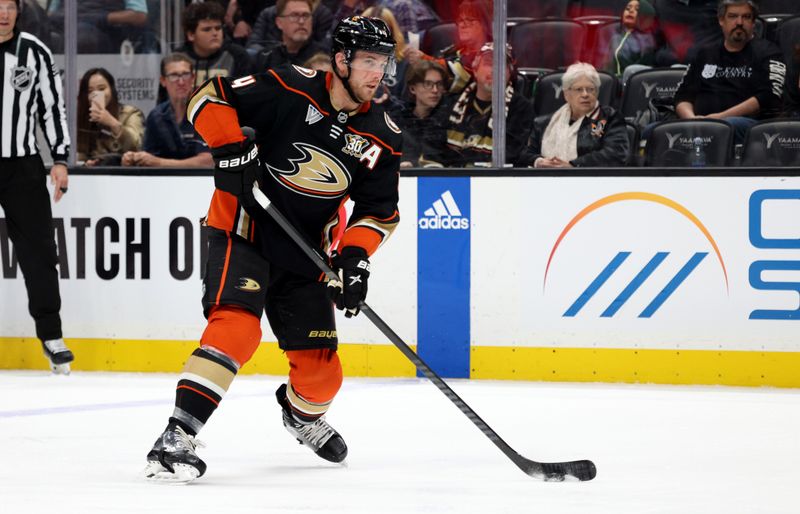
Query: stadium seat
<point>550,43</point>
<point>772,143</point>
<point>437,38</point>
<point>646,85</point>
<point>789,37</point>
<point>530,76</point>
<point>548,9</point>
<point>671,143</point>
<point>598,8</point>
<point>779,7</point>
<point>633,138</point>
<point>548,96</point>
<point>597,48</point>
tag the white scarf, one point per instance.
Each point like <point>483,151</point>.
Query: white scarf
<point>560,137</point>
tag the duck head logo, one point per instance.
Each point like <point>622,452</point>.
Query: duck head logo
<point>314,172</point>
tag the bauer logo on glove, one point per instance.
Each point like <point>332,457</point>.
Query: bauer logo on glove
<point>235,162</point>
<point>236,166</point>
<point>350,288</point>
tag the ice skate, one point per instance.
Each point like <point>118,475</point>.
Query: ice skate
<point>173,459</point>
<point>59,356</point>
<point>322,438</point>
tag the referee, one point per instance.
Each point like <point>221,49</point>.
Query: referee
<point>30,91</point>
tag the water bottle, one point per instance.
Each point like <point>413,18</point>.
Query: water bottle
<point>698,153</point>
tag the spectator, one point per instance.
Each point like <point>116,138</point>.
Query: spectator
<point>792,93</point>
<point>582,133</point>
<point>463,134</point>
<point>473,30</point>
<point>632,47</point>
<point>393,86</point>
<point>297,45</point>
<point>106,128</point>
<point>104,25</point>
<point>266,33</point>
<point>241,16</point>
<point>426,83</point>
<point>33,19</point>
<point>206,46</point>
<point>169,139</point>
<point>320,62</point>
<point>413,16</point>
<point>738,79</point>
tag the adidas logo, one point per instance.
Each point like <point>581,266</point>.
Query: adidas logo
<point>313,115</point>
<point>444,214</point>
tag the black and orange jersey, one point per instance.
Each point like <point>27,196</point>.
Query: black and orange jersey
<point>314,158</point>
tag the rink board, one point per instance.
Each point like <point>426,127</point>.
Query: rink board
<point>623,279</point>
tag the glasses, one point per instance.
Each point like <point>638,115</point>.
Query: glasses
<point>588,90</point>
<point>467,21</point>
<point>430,84</point>
<point>175,77</point>
<point>297,17</point>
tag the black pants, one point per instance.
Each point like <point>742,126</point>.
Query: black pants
<point>26,202</point>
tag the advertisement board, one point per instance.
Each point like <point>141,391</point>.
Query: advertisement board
<point>638,278</point>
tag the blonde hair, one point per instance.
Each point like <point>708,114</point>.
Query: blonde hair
<point>397,33</point>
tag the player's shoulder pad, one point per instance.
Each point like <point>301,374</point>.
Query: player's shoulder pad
<point>296,76</point>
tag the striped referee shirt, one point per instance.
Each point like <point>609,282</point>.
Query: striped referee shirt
<point>30,91</point>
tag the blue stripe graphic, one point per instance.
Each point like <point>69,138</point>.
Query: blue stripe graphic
<point>637,281</point>
<point>596,284</point>
<point>673,284</point>
<point>443,276</point>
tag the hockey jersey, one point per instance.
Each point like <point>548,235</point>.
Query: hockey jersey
<point>313,159</point>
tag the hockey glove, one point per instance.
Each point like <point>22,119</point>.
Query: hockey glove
<point>236,166</point>
<point>352,266</point>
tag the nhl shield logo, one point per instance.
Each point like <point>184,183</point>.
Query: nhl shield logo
<point>21,78</point>
<point>709,71</point>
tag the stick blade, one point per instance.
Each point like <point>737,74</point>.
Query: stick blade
<point>582,470</point>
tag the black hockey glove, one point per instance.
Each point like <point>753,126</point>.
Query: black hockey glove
<point>236,167</point>
<point>352,266</point>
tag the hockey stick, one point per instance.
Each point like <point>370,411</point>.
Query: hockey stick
<point>547,471</point>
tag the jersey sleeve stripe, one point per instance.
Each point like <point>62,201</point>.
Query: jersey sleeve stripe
<point>367,134</point>
<point>370,233</point>
<point>293,90</point>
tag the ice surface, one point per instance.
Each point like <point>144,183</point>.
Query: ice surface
<point>77,445</point>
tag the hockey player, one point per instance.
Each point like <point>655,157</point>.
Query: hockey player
<point>319,140</point>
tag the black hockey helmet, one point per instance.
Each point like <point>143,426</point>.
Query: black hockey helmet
<point>362,33</point>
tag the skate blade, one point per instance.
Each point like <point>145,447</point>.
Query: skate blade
<point>156,473</point>
<point>60,369</point>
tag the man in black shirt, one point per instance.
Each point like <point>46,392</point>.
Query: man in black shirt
<point>297,44</point>
<point>739,79</point>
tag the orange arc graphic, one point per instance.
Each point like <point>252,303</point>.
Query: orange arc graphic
<point>647,197</point>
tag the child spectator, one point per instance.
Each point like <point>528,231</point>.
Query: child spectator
<point>426,83</point>
<point>632,47</point>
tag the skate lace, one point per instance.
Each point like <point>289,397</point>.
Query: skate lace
<point>56,345</point>
<point>184,441</point>
<point>317,433</point>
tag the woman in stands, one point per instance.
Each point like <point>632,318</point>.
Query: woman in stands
<point>582,133</point>
<point>632,46</point>
<point>106,128</point>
